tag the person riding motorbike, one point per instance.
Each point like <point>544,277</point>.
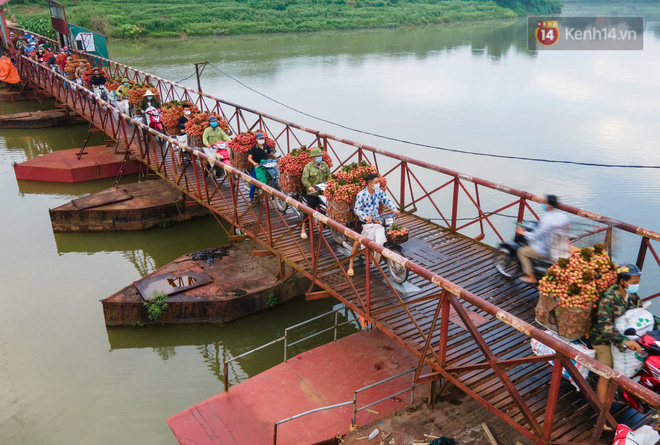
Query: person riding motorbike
<point>122,91</point>
<point>366,209</point>
<point>614,302</point>
<point>551,225</point>
<point>258,153</point>
<point>315,172</point>
<point>97,79</point>
<point>148,100</point>
<point>213,133</point>
<point>183,119</point>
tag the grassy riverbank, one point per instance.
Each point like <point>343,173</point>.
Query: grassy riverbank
<point>135,18</point>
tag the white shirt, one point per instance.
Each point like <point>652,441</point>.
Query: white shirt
<point>551,225</point>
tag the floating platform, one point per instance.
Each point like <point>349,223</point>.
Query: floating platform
<point>38,119</point>
<point>324,376</point>
<point>136,206</point>
<point>63,166</point>
<point>212,286</point>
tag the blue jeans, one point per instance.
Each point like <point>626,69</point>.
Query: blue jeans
<point>253,173</point>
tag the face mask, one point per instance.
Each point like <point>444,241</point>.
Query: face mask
<point>214,124</point>
<point>319,159</point>
<point>376,186</point>
<point>632,288</point>
<point>150,97</point>
<point>186,112</point>
<point>261,141</point>
<point>545,207</point>
<point>125,84</point>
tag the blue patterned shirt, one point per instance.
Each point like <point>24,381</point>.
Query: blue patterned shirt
<point>366,204</point>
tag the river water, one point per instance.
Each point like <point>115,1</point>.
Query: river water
<point>65,378</point>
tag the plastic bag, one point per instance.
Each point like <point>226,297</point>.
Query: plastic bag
<point>637,318</point>
<point>376,233</point>
<point>541,349</point>
<point>630,362</point>
<point>644,435</point>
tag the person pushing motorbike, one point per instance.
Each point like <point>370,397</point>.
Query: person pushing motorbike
<point>258,153</point>
<point>614,302</point>
<point>366,209</point>
<point>315,172</point>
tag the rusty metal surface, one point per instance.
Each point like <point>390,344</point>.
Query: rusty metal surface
<point>101,199</point>
<point>487,354</point>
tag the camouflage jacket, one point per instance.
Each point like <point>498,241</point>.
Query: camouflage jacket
<point>611,306</point>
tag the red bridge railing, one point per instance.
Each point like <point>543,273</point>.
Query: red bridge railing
<point>426,190</point>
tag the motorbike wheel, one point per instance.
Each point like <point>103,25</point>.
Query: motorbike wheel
<point>397,271</point>
<point>506,265</point>
<point>218,172</point>
<point>338,236</point>
<point>279,204</point>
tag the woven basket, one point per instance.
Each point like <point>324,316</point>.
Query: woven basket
<point>341,211</point>
<point>240,160</point>
<point>396,239</point>
<point>570,323</point>
<point>290,183</point>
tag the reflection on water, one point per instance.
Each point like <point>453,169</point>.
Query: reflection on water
<point>170,284</point>
<point>150,249</point>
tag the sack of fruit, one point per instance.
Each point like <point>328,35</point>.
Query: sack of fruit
<point>570,289</point>
<point>397,234</point>
<point>240,148</point>
<point>291,166</point>
<point>136,92</point>
<point>343,187</point>
<point>172,111</point>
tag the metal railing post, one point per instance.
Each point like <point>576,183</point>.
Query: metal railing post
<point>412,389</point>
<point>336,318</point>
<point>354,420</point>
<point>286,342</point>
<point>225,370</point>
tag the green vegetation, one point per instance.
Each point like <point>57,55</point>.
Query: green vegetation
<point>134,18</point>
<point>157,305</point>
<point>272,300</point>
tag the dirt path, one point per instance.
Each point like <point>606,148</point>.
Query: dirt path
<point>455,416</point>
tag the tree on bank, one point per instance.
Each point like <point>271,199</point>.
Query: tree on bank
<point>134,18</point>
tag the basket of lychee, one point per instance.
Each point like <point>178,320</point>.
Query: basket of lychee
<point>397,234</point>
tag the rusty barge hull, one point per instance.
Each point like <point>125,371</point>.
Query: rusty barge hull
<point>38,119</point>
<point>136,206</point>
<point>240,285</point>
<point>64,166</point>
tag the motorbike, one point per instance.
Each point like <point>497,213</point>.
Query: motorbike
<point>273,180</point>
<point>219,151</point>
<point>505,258</point>
<point>397,271</point>
<point>649,376</point>
<point>154,119</point>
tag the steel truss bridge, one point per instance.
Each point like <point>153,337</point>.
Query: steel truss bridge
<point>468,326</point>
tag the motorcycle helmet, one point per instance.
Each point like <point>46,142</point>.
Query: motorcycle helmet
<point>627,270</point>
<point>213,119</point>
